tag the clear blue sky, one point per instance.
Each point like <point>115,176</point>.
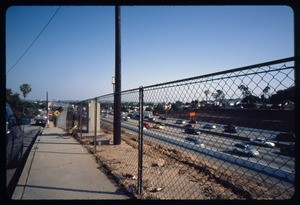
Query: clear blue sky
<point>74,58</point>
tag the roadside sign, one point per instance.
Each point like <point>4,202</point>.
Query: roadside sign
<point>192,114</point>
<point>56,113</point>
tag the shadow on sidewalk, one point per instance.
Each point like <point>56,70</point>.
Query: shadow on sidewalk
<point>118,191</point>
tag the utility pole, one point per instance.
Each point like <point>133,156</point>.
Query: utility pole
<point>47,109</point>
<point>117,92</point>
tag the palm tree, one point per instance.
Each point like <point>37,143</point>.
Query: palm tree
<point>265,93</point>
<point>25,89</point>
<point>206,92</point>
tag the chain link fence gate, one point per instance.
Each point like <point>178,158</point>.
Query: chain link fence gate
<point>234,128</point>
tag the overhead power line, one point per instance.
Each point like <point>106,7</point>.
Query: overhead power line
<point>33,41</point>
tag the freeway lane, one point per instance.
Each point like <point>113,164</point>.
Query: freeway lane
<point>269,157</point>
<point>220,142</point>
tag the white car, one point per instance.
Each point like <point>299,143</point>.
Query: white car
<point>262,141</point>
<point>245,149</point>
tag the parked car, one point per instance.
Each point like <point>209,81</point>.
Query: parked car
<point>230,128</point>
<point>180,121</point>
<point>286,137</point>
<point>159,126</point>
<point>192,131</point>
<point>262,141</point>
<point>288,150</point>
<point>40,121</point>
<point>245,149</point>
<point>195,141</point>
<point>162,118</point>
<point>209,126</point>
<point>14,137</point>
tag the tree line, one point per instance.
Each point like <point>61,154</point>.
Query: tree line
<point>24,108</point>
<point>248,100</point>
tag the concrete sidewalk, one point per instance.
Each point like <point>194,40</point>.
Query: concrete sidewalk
<point>58,167</point>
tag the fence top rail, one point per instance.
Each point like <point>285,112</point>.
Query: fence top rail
<point>284,60</point>
<point>274,62</point>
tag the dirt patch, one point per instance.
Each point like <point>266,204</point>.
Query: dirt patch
<point>169,173</point>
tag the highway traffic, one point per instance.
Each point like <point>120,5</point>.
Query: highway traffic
<point>219,145</point>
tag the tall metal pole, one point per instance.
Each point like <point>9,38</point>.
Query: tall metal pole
<point>117,92</point>
<point>140,153</point>
<point>80,121</point>
<point>95,128</point>
<point>47,109</point>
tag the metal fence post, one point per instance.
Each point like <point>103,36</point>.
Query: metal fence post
<point>80,121</point>
<point>140,150</point>
<point>95,128</point>
<point>117,92</point>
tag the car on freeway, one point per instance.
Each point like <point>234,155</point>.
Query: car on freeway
<point>152,119</point>
<point>288,150</point>
<point>286,137</point>
<point>245,149</point>
<point>146,125</point>
<point>230,128</point>
<point>130,115</point>
<point>159,126</point>
<point>262,141</point>
<point>195,141</point>
<point>14,137</point>
<point>209,126</point>
<point>192,131</point>
<point>180,121</point>
<point>192,122</point>
<point>40,121</point>
<point>125,118</point>
<point>189,126</point>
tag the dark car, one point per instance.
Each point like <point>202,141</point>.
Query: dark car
<point>180,121</point>
<point>40,122</point>
<point>162,118</point>
<point>285,137</point>
<point>193,121</point>
<point>192,131</point>
<point>245,149</point>
<point>14,137</point>
<point>230,128</point>
<point>189,126</point>
<point>288,150</point>
<point>195,141</point>
<point>209,126</point>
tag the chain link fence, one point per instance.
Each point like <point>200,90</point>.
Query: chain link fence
<point>226,135</point>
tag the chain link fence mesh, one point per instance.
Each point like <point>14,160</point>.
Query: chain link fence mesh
<point>232,129</point>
